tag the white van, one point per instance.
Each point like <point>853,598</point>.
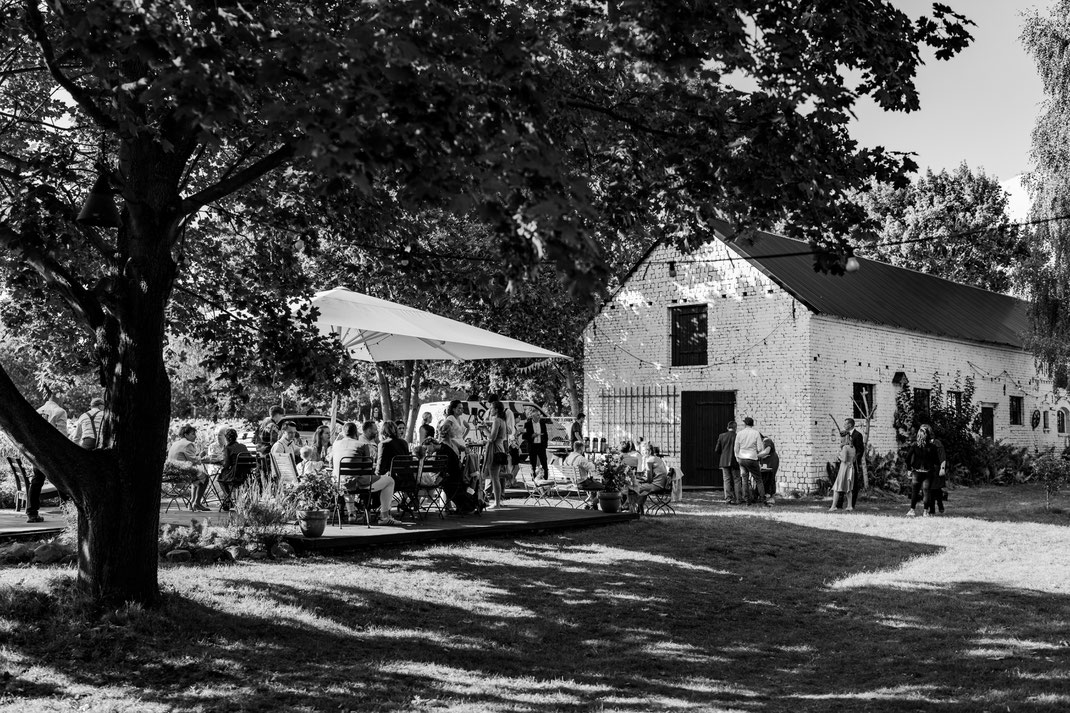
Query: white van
<point>476,428</point>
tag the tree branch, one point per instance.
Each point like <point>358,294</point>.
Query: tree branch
<point>81,300</point>
<point>228,185</point>
<point>46,448</point>
<point>36,23</point>
<point>633,123</point>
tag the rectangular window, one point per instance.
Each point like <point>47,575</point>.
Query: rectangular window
<point>862,399</point>
<point>954,402</point>
<point>1060,421</point>
<point>1016,410</point>
<point>1045,415</point>
<point>688,335</point>
<point>922,399</point>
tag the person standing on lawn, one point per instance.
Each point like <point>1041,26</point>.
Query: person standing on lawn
<point>845,476</point>
<point>726,458</point>
<point>770,464</point>
<point>535,438</point>
<point>939,481</point>
<point>746,448</point>
<point>923,459</point>
<point>858,443</point>
<point>55,414</point>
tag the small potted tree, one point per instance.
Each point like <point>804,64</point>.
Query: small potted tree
<point>613,472</point>
<point>313,497</point>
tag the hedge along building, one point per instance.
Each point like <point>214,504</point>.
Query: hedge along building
<point>691,341</point>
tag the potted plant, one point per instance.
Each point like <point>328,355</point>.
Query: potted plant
<point>314,495</point>
<point>613,472</point>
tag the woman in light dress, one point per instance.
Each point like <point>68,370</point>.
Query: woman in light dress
<point>846,475</point>
<point>495,456</point>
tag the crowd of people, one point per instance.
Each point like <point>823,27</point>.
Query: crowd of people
<point>749,464</point>
<point>748,459</point>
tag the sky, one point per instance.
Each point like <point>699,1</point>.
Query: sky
<point>978,107</point>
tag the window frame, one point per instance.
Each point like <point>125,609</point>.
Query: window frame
<point>1020,401</point>
<point>1060,421</point>
<point>679,315</point>
<point>919,414</point>
<point>954,400</point>
<point>856,398</point>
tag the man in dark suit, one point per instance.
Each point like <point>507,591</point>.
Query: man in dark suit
<point>535,441</point>
<point>726,460</point>
<point>858,442</point>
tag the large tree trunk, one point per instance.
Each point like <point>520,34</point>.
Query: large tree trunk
<point>384,394</point>
<point>406,395</point>
<point>414,399</point>
<point>573,392</point>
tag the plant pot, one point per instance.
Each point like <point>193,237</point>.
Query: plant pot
<point>312,522</point>
<point>609,502</point>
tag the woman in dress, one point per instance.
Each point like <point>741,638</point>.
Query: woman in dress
<point>846,475</point>
<point>495,457</point>
<point>451,433</point>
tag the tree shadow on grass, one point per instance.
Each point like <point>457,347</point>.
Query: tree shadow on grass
<point>742,614</point>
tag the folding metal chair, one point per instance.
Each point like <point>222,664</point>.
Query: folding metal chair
<point>22,485</point>
<point>245,465</point>
<point>356,474</point>
<point>660,501</point>
<point>430,496</point>
<point>404,469</point>
<point>539,490</point>
<point>564,484</point>
<point>20,488</point>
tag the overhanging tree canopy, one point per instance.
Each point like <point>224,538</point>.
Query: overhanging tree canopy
<point>224,126</point>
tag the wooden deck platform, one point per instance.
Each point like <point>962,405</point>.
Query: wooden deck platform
<point>509,520</point>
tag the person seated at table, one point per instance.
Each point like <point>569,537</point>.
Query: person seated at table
<point>184,450</point>
<point>585,470</point>
<point>630,458</point>
<point>369,440</point>
<point>310,462</point>
<point>287,443</point>
<point>227,482</point>
<point>349,445</point>
<point>390,444</point>
<point>426,430</point>
<point>322,442</point>
<point>216,447</point>
<point>657,477</point>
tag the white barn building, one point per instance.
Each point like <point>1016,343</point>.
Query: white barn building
<point>691,341</point>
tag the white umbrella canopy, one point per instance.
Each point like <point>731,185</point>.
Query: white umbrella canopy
<point>376,330</point>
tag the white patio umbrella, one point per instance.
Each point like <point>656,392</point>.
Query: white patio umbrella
<point>372,329</point>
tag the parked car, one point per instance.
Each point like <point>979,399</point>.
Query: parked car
<point>474,414</point>
<point>306,426</point>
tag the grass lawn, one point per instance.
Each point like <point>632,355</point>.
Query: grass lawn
<point>717,609</point>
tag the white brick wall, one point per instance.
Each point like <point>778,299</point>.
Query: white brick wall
<point>788,367</point>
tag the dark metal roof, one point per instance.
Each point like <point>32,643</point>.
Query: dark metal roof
<point>884,294</point>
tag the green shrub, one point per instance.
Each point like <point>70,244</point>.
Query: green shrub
<point>1053,472</point>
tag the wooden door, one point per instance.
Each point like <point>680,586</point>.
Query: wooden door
<point>704,415</point>
<point>988,429</point>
